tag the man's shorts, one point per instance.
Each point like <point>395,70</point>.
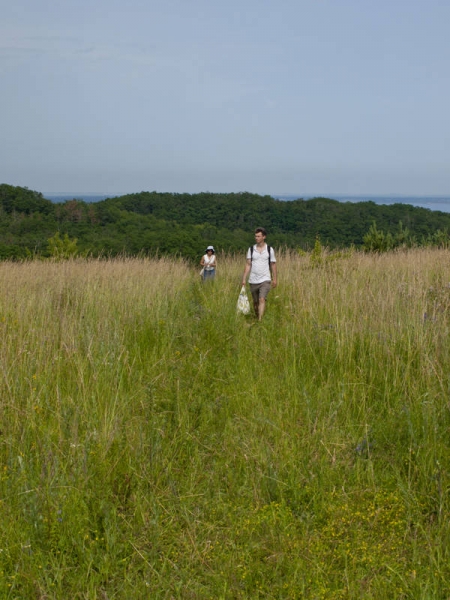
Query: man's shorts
<point>260,290</point>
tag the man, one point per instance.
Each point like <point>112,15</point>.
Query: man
<point>262,267</point>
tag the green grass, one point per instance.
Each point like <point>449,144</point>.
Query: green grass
<point>155,444</point>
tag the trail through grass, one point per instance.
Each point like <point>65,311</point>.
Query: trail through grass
<point>155,444</point>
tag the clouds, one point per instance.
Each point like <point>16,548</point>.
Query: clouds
<point>56,48</point>
<point>272,97</point>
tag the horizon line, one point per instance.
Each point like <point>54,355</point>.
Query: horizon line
<point>309,195</point>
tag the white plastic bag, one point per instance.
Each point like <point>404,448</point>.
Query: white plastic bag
<point>243,305</point>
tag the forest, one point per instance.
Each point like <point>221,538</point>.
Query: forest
<point>177,224</point>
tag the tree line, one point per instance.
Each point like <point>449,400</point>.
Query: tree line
<point>150,223</point>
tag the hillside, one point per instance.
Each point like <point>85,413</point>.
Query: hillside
<point>151,222</point>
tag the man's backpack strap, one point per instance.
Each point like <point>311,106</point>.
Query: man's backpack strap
<point>268,250</point>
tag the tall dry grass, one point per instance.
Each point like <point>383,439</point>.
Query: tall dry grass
<point>154,443</point>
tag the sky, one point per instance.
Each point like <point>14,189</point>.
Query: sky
<point>307,97</point>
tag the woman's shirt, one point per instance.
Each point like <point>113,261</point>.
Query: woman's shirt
<point>209,262</point>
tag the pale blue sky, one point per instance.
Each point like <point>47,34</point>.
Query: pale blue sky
<point>269,96</point>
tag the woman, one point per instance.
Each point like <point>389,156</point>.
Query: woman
<point>208,263</point>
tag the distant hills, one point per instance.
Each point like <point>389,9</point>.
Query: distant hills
<point>84,197</point>
<point>437,203</point>
<point>183,224</point>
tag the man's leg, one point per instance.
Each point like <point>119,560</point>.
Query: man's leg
<point>261,308</point>
<point>254,289</point>
<point>263,293</point>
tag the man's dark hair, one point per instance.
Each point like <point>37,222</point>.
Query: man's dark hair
<point>261,230</point>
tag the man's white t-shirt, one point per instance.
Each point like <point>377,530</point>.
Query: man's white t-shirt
<point>260,270</point>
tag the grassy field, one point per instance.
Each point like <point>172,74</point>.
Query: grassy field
<point>155,444</point>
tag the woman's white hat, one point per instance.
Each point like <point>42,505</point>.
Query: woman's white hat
<point>210,248</point>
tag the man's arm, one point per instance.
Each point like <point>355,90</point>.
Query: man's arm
<point>247,269</point>
<point>274,274</point>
